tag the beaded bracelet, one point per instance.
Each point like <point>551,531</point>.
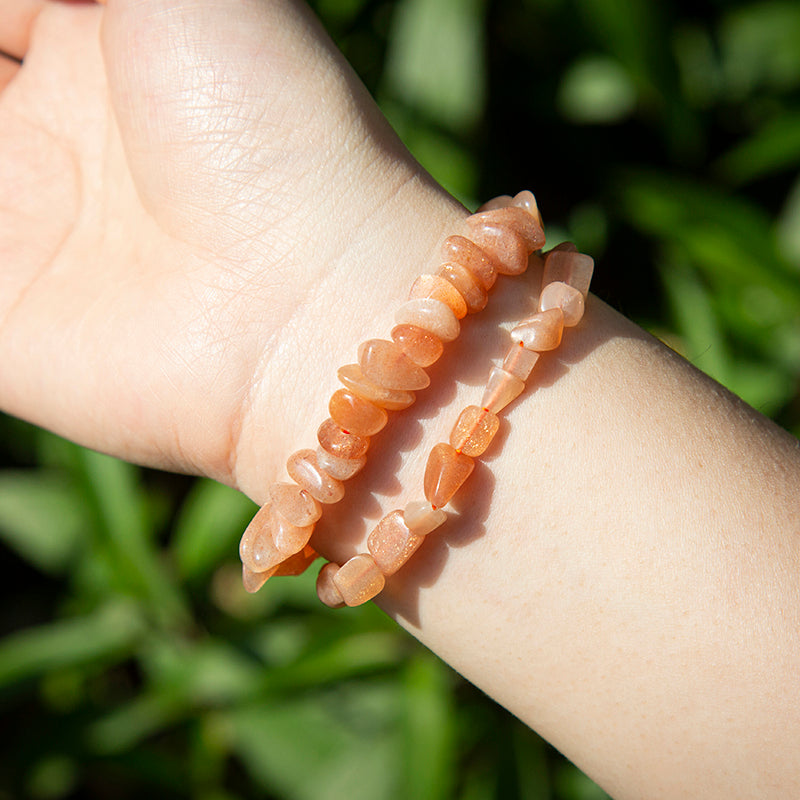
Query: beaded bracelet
<point>502,236</point>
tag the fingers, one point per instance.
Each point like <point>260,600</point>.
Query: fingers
<point>16,21</point>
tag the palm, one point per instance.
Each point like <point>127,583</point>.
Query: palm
<point>147,268</point>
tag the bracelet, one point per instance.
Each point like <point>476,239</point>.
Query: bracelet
<point>501,237</point>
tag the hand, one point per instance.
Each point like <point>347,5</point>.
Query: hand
<point>190,192</point>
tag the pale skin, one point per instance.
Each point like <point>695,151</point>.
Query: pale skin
<point>203,214</point>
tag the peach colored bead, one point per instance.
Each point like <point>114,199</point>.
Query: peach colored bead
<point>567,298</point>
<point>501,201</point>
<point>519,361</point>
<point>327,590</point>
<point>253,581</point>
<point>501,388</point>
<point>359,580</point>
<point>354,414</point>
<point>391,543</point>
<point>507,247</point>
<point>340,468</point>
<point>257,549</point>
<point>430,314</point>
<point>421,518</point>
<point>564,247</point>
<point>387,365</point>
<point>288,538</point>
<point>526,200</point>
<point>439,289</point>
<point>474,430</point>
<point>297,563</point>
<point>568,267</point>
<point>354,379</point>
<point>421,346</point>
<point>541,332</point>
<point>467,285</point>
<point>295,504</point>
<point>445,472</point>
<point>340,444</point>
<point>303,469</point>
<point>513,218</point>
<point>460,250</point>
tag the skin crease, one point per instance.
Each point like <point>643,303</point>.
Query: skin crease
<point>210,214</point>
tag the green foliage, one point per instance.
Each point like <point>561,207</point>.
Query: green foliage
<point>664,141</point>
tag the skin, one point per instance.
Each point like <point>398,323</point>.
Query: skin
<point>209,214</point>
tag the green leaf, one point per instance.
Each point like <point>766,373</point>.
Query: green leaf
<point>596,90</point>
<point>41,518</point>
<point>211,521</point>
<point>109,634</point>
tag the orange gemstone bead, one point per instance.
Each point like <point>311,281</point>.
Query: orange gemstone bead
<point>340,443</point>
<point>391,543</point>
<point>253,581</point>
<point>257,549</point>
<point>568,267</point>
<point>421,346</point>
<point>295,504</point>
<point>359,580</point>
<point>439,289</point>
<point>303,469</point>
<point>541,332</point>
<point>430,314</point>
<point>475,296</point>
<point>296,564</point>
<point>519,361</point>
<point>501,201</point>
<point>288,538</point>
<point>445,472</point>
<point>526,200</point>
<point>501,388</point>
<point>567,298</point>
<point>387,365</point>
<point>506,246</point>
<point>340,468</point>
<point>327,590</point>
<point>421,518</point>
<point>355,414</point>
<point>474,430</point>
<point>512,218</point>
<point>460,250</point>
<point>354,379</point>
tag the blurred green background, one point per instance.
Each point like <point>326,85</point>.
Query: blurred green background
<point>664,138</point>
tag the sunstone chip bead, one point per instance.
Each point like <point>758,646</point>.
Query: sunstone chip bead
<point>354,414</point>
<point>506,247</point>
<point>340,468</point>
<point>445,472</point>
<point>439,289</point>
<point>526,200</point>
<point>501,201</point>
<point>253,581</point>
<point>421,346</point>
<point>354,379</point>
<point>501,388</point>
<point>541,332</point>
<point>295,504</point>
<point>519,361</point>
<point>257,548</point>
<point>460,250</point>
<point>327,591</point>
<point>391,543</point>
<point>339,443</point>
<point>288,538</point>
<point>567,298</point>
<point>359,580</point>
<point>296,564</point>
<point>475,296</point>
<point>430,314</point>
<point>303,469</point>
<point>513,218</point>
<point>568,267</point>
<point>421,518</point>
<point>474,430</point>
<point>387,365</point>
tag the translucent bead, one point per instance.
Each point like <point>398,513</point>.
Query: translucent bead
<point>354,414</point>
<point>526,200</point>
<point>445,472</point>
<point>541,332</point>
<point>460,250</point>
<point>359,580</point>
<point>296,564</point>
<point>430,314</point>
<point>288,538</point>
<point>253,581</point>
<point>567,298</point>
<point>467,285</point>
<point>340,468</point>
<point>568,267</point>
<point>327,590</point>
<point>519,361</point>
<point>564,247</point>
<point>257,549</point>
<point>295,504</point>
<point>501,201</point>
<point>390,399</point>
<point>474,430</point>
<point>514,219</point>
<point>421,518</point>
<point>421,346</point>
<point>387,365</point>
<point>507,247</point>
<point>439,289</point>
<point>303,469</point>
<point>340,444</point>
<point>501,388</point>
<point>391,543</point>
